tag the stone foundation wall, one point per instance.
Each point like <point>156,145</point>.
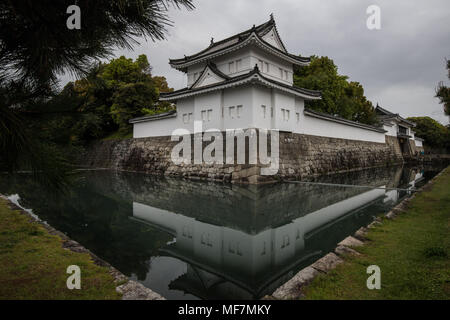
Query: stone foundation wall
<point>301,156</point>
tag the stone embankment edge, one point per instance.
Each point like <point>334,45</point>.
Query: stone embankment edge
<point>293,289</point>
<point>130,289</point>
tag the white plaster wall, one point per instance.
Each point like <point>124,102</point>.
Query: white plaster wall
<point>208,79</point>
<point>391,130</point>
<point>286,122</point>
<point>197,68</point>
<point>325,128</point>
<point>272,39</point>
<point>249,56</point>
<point>163,127</point>
<point>205,102</point>
<point>222,62</point>
<point>262,97</point>
<point>232,98</point>
<point>274,65</point>
<point>251,98</point>
<point>418,143</point>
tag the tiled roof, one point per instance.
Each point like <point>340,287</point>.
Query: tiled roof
<point>386,115</point>
<point>228,43</point>
<point>169,114</point>
<point>253,75</point>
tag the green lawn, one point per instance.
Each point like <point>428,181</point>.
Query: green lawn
<point>412,252</point>
<point>33,263</point>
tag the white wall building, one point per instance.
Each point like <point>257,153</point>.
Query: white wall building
<point>246,81</point>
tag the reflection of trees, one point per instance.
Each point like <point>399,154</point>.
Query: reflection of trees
<point>97,221</point>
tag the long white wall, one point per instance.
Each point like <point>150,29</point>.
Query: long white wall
<point>251,106</point>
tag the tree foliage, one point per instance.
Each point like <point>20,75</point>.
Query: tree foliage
<point>435,134</point>
<point>36,43</point>
<point>36,46</point>
<point>443,93</point>
<point>100,104</point>
<point>339,96</point>
<point>120,90</point>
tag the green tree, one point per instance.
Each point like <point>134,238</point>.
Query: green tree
<point>36,46</point>
<point>120,90</point>
<point>443,93</point>
<point>339,96</point>
<point>435,134</point>
<point>99,104</point>
<point>132,86</point>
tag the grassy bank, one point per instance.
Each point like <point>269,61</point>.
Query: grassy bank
<point>33,263</point>
<point>412,252</point>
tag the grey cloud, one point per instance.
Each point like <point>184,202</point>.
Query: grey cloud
<point>399,65</point>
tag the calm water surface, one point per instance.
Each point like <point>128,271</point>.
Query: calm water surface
<point>197,240</point>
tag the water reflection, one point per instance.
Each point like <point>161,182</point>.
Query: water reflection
<point>188,240</point>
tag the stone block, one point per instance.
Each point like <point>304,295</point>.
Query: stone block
<point>343,250</point>
<point>327,263</point>
<point>292,288</point>
<point>361,233</point>
<point>350,242</point>
<point>133,290</point>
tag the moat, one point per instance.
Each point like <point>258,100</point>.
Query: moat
<point>199,240</point>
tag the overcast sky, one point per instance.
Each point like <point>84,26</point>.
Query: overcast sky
<point>399,65</point>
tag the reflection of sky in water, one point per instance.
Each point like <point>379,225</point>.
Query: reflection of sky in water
<point>188,240</point>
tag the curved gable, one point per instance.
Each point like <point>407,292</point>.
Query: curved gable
<point>209,76</point>
<point>273,39</point>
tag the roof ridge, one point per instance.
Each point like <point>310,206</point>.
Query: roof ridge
<point>213,44</point>
<point>203,54</point>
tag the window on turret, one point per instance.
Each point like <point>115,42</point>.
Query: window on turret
<point>238,111</point>
<point>285,114</point>
<point>187,117</point>
<point>263,107</point>
<point>203,115</point>
<point>238,65</point>
<point>286,74</point>
<point>260,65</point>
<point>281,73</point>
<point>231,112</point>
<point>209,113</point>
<point>231,67</point>
<point>267,67</point>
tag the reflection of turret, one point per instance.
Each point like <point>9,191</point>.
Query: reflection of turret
<point>251,261</point>
<point>232,241</point>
